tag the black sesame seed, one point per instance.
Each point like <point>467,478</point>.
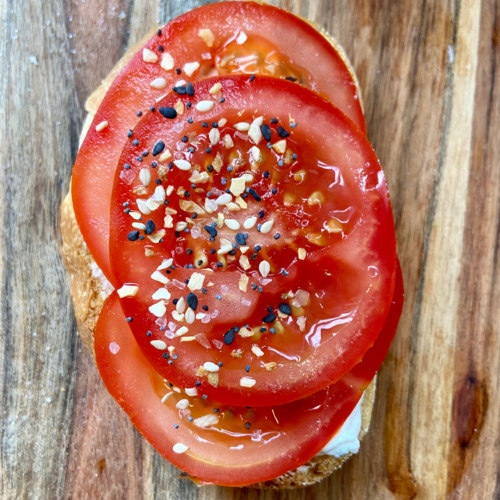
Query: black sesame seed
<point>204,397</point>
<point>254,286</point>
<point>187,194</point>
<point>220,264</point>
<point>127,210</point>
<point>210,168</point>
<point>139,159</point>
<point>188,105</point>
<point>175,357</point>
<point>215,125</point>
<point>261,214</point>
<point>247,425</point>
<point>285,308</point>
<point>152,109</point>
<point>274,121</point>
<point>154,164</point>
<point>263,329</point>
<point>141,237</point>
<point>216,410</point>
<point>293,124</point>
<point>212,251</point>
<point>192,301</point>
<point>160,48</point>
<point>150,227</point>
<point>185,138</point>
<point>186,281</point>
<point>145,153</point>
<point>166,355</point>
<point>180,90</point>
<point>232,252</point>
<point>149,334</point>
<point>274,191</point>
<point>211,231</point>
<point>284,272</point>
<point>197,384</point>
<point>130,133</point>
<point>170,362</point>
<point>175,301</point>
<point>256,197</point>
<point>158,181</point>
<point>190,120</point>
<point>205,308</point>
<point>168,112</point>
<point>294,156</point>
<point>139,113</point>
<point>253,256</point>
<point>135,142</point>
<point>259,227</point>
<point>130,319</point>
<point>171,165</point>
<point>252,78</point>
<point>190,89</point>
<point>204,291</point>
<point>266,131</point>
<point>282,132</point>
<point>133,235</point>
<point>176,426</point>
<point>277,236</point>
<point>220,364</point>
<point>240,239</point>
<point>221,100</point>
<point>190,149</point>
<point>208,151</point>
<point>178,71</point>
<point>229,337</point>
<point>260,289</point>
<point>126,204</point>
<point>266,174</point>
<point>291,79</point>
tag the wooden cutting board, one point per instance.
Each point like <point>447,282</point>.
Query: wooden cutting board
<point>430,75</point>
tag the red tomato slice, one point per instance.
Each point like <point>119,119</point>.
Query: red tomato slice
<point>239,446</point>
<point>331,200</point>
<point>271,41</point>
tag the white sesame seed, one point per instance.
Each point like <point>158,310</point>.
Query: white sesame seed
<point>242,126</point>
<point>256,154</point>
<point>159,194</point>
<point>241,38</point>
<point>267,226</point>
<point>180,307</point>
<point>264,268</point>
<point>193,391</point>
<point>139,225</point>
<point>149,56</point>
<point>161,293</point>
<point>250,222</point>
<point>222,122</point>
<point>182,404</point>
<point>210,367</point>
<point>182,164</point>
<point>232,224</point>
<point>158,309</point>
<point>135,215</point>
<point>254,132</point>
<point>302,253</point>
<point>145,176</point>
<point>187,339</point>
<point>207,36</point>
<point>102,126</point>
<point>257,351</point>
<point>180,448</point>
<point>214,136</point>
<point>190,68</point>
<point>216,88</point>
<point>159,344</point>
<point>157,276</point>
<point>224,249</point>
<point>128,291</point>
<point>158,84</point>
<point>224,199</point>
<point>170,190</point>
<point>167,396</point>
<point>189,316</point>
<point>205,106</point>
<point>180,226</point>
<point>143,207</point>
<point>247,382</point>
<point>167,61</point>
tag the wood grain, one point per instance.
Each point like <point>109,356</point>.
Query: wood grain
<point>429,72</point>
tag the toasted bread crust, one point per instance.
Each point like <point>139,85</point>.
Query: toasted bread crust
<point>89,288</point>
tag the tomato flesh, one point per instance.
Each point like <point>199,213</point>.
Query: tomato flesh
<point>268,31</point>
<point>338,296</point>
<point>242,445</point>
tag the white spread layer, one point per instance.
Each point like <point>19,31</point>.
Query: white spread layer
<point>347,438</point>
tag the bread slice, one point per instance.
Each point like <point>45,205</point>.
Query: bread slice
<point>89,287</point>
